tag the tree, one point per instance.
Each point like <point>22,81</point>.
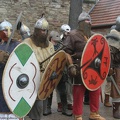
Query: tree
<point>75,10</point>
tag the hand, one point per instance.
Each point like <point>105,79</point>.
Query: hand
<point>41,68</point>
<point>111,71</point>
<point>3,57</point>
<point>72,70</point>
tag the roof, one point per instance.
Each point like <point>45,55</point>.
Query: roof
<point>105,12</point>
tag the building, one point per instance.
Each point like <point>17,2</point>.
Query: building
<point>104,14</point>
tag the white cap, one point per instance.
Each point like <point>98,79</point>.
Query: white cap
<point>65,28</point>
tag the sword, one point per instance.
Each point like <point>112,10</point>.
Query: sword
<point>14,28</point>
<point>112,79</point>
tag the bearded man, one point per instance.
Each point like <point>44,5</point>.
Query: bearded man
<point>75,43</point>
<point>114,41</point>
<point>42,49</point>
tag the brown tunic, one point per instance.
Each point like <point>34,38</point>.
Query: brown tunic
<point>75,43</point>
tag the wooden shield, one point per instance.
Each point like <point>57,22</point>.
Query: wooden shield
<point>20,80</point>
<point>95,62</point>
<point>52,75</point>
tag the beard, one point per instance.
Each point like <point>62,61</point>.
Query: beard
<point>85,28</point>
<point>40,39</point>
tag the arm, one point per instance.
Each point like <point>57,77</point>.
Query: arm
<point>69,51</point>
<point>3,57</point>
<point>115,55</point>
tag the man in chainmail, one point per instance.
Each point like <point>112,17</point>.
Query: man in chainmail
<point>114,41</point>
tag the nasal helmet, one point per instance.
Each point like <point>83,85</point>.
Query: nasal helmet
<point>42,24</point>
<point>5,25</point>
<point>55,36</point>
<point>84,16</point>
<point>24,31</point>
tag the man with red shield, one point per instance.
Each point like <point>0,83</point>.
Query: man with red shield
<point>75,43</point>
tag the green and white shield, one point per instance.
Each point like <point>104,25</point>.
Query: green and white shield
<point>21,79</point>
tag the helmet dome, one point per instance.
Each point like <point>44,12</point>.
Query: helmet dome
<point>24,29</point>
<point>84,16</point>
<point>65,28</point>
<point>5,25</point>
<point>42,24</point>
<point>55,35</point>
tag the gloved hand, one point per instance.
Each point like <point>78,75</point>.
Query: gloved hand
<point>72,70</point>
<point>3,56</point>
<point>41,68</point>
<point>111,71</point>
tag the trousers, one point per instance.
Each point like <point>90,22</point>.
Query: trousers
<point>78,97</point>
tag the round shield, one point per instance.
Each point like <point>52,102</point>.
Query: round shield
<point>52,75</point>
<point>95,62</point>
<point>20,80</point>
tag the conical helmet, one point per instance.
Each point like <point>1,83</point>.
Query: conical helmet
<point>42,24</point>
<point>5,25</point>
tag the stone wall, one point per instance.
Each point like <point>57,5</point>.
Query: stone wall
<point>56,11</point>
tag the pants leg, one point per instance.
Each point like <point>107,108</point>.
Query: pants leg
<point>61,88</point>
<point>63,96</point>
<point>86,97</point>
<point>107,88</point>
<point>50,100</point>
<point>58,96</point>
<point>69,92</point>
<point>36,112</point>
<point>78,95</point>
<point>94,100</point>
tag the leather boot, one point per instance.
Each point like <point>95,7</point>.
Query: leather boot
<point>64,106</point>
<point>47,105</point>
<point>95,116</point>
<point>106,101</point>
<point>116,110</point>
<point>59,107</point>
<point>78,117</point>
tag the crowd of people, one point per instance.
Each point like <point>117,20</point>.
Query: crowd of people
<point>71,92</point>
